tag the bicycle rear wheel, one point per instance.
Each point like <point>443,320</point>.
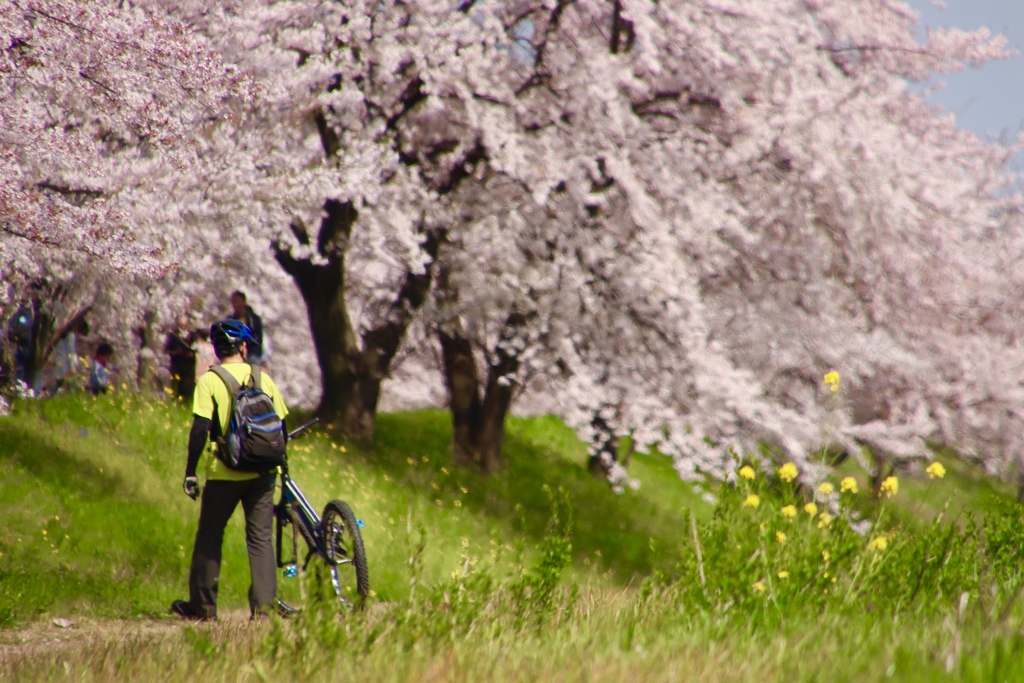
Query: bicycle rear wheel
<point>345,553</point>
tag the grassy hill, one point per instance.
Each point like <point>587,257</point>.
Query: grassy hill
<point>472,579</point>
<point>93,517</point>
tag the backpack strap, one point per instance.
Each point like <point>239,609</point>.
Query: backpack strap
<point>233,386</point>
<point>256,375</point>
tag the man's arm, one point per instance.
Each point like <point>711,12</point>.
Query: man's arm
<point>196,443</point>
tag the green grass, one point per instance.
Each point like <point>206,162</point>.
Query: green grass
<point>965,489</point>
<point>102,478</point>
<point>473,579</point>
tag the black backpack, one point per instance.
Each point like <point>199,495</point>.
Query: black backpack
<point>255,441</point>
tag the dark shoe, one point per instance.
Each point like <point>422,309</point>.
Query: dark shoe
<point>286,611</point>
<point>186,610</point>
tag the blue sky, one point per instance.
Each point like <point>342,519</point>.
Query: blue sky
<point>990,100</point>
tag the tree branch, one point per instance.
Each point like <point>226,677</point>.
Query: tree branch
<point>381,343</point>
<point>77,192</point>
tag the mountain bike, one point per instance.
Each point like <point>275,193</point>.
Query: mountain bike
<point>334,548</point>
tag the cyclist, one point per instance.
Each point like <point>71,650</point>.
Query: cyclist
<point>226,488</point>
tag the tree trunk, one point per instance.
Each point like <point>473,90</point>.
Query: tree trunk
<point>478,424</point>
<point>883,468</point>
<point>42,325</point>
<point>603,449</point>
<point>47,331</point>
<point>351,369</point>
<point>491,428</point>
<point>335,343</point>
<point>463,396</point>
<point>145,367</point>
<point>322,286</point>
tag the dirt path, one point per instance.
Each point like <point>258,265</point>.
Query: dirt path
<point>57,634</point>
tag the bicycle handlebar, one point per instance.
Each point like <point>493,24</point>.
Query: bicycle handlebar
<point>299,431</point>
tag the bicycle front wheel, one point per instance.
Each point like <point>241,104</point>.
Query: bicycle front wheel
<point>345,553</point>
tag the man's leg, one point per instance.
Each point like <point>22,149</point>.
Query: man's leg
<point>258,505</point>
<point>218,503</point>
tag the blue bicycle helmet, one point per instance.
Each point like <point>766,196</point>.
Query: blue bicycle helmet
<point>227,337</point>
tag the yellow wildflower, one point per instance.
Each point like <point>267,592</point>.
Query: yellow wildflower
<point>747,472</point>
<point>936,470</point>
<point>831,380</point>
<point>878,543</point>
<point>848,485</point>
<point>789,511</point>
<point>780,537</point>
<point>788,472</point>
<point>811,509</point>
<point>783,574</point>
<point>826,489</point>
<point>825,556</point>
<point>889,487</point>
<point>752,501</point>
<point>759,586</point>
<point>824,520</point>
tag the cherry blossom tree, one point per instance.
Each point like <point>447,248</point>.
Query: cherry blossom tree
<point>759,156</point>
<point>100,102</point>
<point>658,220</point>
<point>341,168</point>
<point>795,196</point>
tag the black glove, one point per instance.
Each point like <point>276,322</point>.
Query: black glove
<point>191,487</point>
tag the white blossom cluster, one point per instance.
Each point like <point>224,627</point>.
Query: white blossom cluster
<point>677,214</point>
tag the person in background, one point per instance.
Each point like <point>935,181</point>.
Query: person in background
<point>21,332</point>
<point>178,347</point>
<point>206,357</point>
<point>66,352</point>
<point>99,377</point>
<point>243,313</point>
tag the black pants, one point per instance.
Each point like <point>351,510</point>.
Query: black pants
<point>220,498</point>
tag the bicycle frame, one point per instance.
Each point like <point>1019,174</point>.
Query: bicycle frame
<point>294,508</point>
